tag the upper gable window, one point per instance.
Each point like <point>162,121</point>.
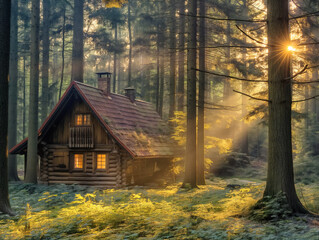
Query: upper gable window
<point>82,119</point>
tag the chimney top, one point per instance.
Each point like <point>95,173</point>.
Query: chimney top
<point>130,93</point>
<point>104,82</point>
<point>101,74</point>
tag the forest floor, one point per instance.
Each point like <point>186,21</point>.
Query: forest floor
<point>214,211</point>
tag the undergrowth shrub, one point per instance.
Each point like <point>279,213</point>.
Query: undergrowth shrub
<point>271,208</point>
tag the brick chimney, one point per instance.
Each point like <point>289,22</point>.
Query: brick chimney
<point>104,82</point>
<point>130,93</point>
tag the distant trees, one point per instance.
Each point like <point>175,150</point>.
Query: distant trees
<point>32,155</point>
<point>4,77</point>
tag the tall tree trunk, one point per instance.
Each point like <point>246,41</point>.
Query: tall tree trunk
<point>162,31</point>
<point>78,44</point>
<point>32,165</point>
<point>314,107</point>
<point>172,59</point>
<point>190,159</point>
<point>119,68</point>
<point>280,175</point>
<point>244,86</point>
<point>227,88</point>
<point>24,96</point>
<point>62,52</point>
<point>129,21</point>
<point>181,58</point>
<point>45,58</point>
<point>306,111</point>
<point>158,52</point>
<point>13,91</point>
<point>201,96</point>
<point>162,82</point>
<point>115,60</point>
<point>5,7</point>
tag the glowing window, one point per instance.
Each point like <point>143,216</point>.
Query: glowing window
<point>86,119</point>
<point>101,161</point>
<point>78,161</point>
<point>82,119</point>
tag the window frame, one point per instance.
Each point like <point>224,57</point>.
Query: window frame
<point>107,162</point>
<point>82,120</point>
<point>72,162</point>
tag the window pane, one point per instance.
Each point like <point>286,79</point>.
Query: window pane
<point>101,161</point>
<point>86,119</point>
<point>78,120</point>
<point>78,161</point>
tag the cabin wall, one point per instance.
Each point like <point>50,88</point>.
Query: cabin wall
<point>60,131</point>
<point>56,167</point>
<point>57,164</point>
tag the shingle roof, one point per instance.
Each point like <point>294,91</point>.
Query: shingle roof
<point>136,126</point>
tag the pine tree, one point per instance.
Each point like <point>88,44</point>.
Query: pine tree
<point>5,7</point>
<point>32,155</point>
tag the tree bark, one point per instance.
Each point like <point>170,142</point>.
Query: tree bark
<point>306,112</point>
<point>115,60</point>
<point>314,92</point>
<point>62,52</point>
<point>190,159</point>
<point>45,58</point>
<point>5,7</point>
<point>130,44</point>
<point>13,91</point>
<point>280,175</point>
<point>32,166</point>
<point>244,85</point>
<point>201,96</point>
<point>181,58</point>
<point>227,88</point>
<point>172,59</point>
<point>78,44</point>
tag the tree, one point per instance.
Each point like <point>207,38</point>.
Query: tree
<point>172,58</point>
<point>190,159</point>
<point>280,176</point>
<point>201,96</point>
<point>45,58</point>
<point>78,44</point>
<point>32,155</point>
<point>181,57</point>
<point>13,91</point>
<point>129,22</point>
<point>5,7</point>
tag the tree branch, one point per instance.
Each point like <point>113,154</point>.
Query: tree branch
<point>307,82</point>
<point>306,15</point>
<point>225,19</point>
<point>232,77</point>
<point>303,100</point>
<point>298,73</point>
<point>218,46</point>
<point>250,36</point>
<point>259,99</point>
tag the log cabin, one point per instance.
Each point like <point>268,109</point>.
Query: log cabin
<point>95,137</point>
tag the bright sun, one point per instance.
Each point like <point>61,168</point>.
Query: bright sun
<point>291,49</point>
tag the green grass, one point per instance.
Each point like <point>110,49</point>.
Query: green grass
<point>209,212</point>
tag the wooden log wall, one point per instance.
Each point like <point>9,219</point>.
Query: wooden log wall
<point>52,174</point>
